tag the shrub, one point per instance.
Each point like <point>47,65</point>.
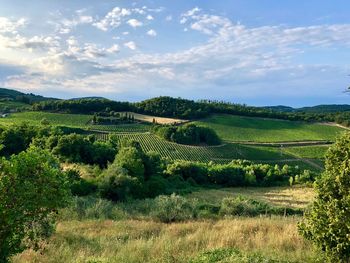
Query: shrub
<point>232,255</point>
<point>227,175</point>
<point>327,223</point>
<point>78,185</point>
<point>173,208</point>
<point>86,208</point>
<point>119,187</point>
<point>186,169</point>
<point>155,186</point>
<point>32,188</point>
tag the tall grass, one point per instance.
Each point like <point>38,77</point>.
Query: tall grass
<point>149,241</point>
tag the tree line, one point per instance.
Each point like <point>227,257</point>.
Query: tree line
<point>182,108</point>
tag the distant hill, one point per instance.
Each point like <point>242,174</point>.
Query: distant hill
<point>326,108</point>
<point>280,108</point>
<point>17,96</point>
<point>86,98</point>
<point>331,108</point>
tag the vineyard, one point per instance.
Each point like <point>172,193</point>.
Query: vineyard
<point>123,128</point>
<point>243,129</point>
<point>221,154</point>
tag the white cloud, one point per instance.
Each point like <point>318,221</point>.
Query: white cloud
<point>112,19</point>
<point>131,45</point>
<point>169,18</point>
<point>11,25</point>
<point>149,17</point>
<point>134,23</point>
<point>152,33</point>
<point>113,49</point>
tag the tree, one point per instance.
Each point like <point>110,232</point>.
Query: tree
<point>130,158</point>
<point>327,224</point>
<point>32,188</point>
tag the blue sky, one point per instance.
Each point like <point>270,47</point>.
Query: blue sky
<point>258,52</point>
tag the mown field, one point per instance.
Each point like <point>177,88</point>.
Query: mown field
<point>238,128</point>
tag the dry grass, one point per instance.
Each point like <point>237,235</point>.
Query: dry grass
<point>159,120</point>
<point>147,241</point>
<point>294,197</point>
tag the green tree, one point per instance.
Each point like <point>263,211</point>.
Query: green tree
<point>32,188</point>
<point>327,224</point>
<point>130,158</point>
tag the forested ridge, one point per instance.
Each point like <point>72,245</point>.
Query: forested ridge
<point>187,109</point>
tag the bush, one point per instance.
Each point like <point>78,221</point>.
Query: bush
<point>227,175</point>
<point>189,134</point>
<point>86,208</point>
<point>174,208</point>
<point>327,223</point>
<point>232,255</point>
<point>155,186</point>
<point>186,169</point>
<point>241,206</point>
<point>32,188</point>
<point>120,187</point>
<point>78,185</point>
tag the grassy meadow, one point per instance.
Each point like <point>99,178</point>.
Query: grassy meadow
<point>134,241</point>
<point>238,128</point>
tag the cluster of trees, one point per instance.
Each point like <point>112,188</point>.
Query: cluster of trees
<point>189,134</point>
<point>77,148</point>
<point>187,109</point>
<point>117,118</point>
<point>83,106</point>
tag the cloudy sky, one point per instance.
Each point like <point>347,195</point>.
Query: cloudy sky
<point>259,52</point>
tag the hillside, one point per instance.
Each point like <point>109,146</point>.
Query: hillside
<point>331,108</point>
<point>238,128</point>
<point>17,96</point>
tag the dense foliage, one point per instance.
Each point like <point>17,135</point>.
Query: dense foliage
<point>32,188</point>
<point>187,109</point>
<point>84,106</point>
<point>189,134</point>
<point>328,222</point>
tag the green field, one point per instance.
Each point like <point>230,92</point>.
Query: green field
<point>71,120</point>
<point>228,127</point>
<point>122,128</point>
<point>224,153</point>
<point>12,105</point>
<point>309,152</point>
<point>238,128</point>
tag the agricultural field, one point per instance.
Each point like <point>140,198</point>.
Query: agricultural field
<point>122,128</point>
<point>309,152</point>
<point>34,118</point>
<point>238,128</point>
<point>9,105</point>
<point>223,153</point>
<point>159,120</point>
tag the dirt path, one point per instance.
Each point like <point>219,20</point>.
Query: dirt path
<point>283,144</point>
<point>335,125</point>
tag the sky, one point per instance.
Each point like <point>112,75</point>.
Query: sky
<point>257,52</point>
